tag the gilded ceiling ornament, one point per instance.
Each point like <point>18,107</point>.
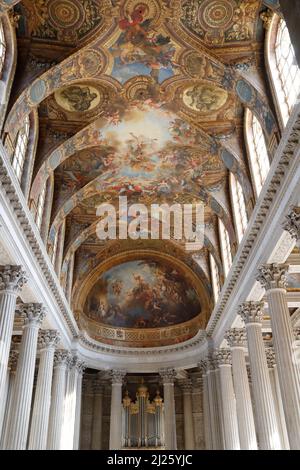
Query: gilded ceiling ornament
<point>205,98</point>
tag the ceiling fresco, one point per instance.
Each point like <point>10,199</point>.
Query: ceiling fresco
<point>143,99</point>
<point>142,294</point>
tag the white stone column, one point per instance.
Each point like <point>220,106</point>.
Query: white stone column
<point>80,369</point>
<point>268,434</point>
<point>206,414</point>
<point>273,278</point>
<point>189,437</point>
<point>48,340</point>
<point>68,432</point>
<point>236,338</point>
<point>231,432</point>
<point>12,365</point>
<point>214,410</point>
<point>97,415</point>
<point>270,354</point>
<point>115,434</point>
<point>20,412</point>
<point>61,360</point>
<point>12,279</point>
<point>168,378</point>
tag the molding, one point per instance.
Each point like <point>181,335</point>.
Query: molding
<point>258,246</point>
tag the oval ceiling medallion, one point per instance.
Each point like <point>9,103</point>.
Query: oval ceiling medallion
<point>66,14</point>
<point>204,98</point>
<point>78,98</point>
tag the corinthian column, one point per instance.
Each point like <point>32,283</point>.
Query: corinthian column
<point>236,338</point>
<point>168,378</point>
<point>273,278</point>
<point>12,279</point>
<point>48,341</point>
<point>115,435</point>
<point>268,435</point>
<point>215,406</point>
<point>20,413</point>
<point>231,433</point>
<point>97,415</point>
<point>270,354</point>
<point>189,438</point>
<point>61,360</point>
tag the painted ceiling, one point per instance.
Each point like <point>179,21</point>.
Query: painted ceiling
<point>144,99</point>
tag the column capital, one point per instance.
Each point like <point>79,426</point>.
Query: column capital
<point>273,276</point>
<point>12,278</point>
<point>186,386</point>
<point>48,339</point>
<point>61,358</point>
<point>34,313</point>
<point>292,223</point>
<point>223,357</point>
<point>297,333</point>
<point>77,364</point>
<point>203,365</point>
<point>236,337</point>
<point>168,375</point>
<point>117,376</point>
<point>270,355</point>
<point>13,360</point>
<point>251,312</point>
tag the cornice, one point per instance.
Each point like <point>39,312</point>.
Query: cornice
<point>16,201</point>
<point>284,167</point>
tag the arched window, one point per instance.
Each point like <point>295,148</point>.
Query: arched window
<point>20,149</point>
<point>2,47</point>
<point>215,277</point>
<point>239,207</point>
<point>284,69</point>
<point>40,206</point>
<point>225,247</point>
<point>55,245</point>
<point>258,154</point>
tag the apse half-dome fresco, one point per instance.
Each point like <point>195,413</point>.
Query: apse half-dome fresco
<point>142,294</point>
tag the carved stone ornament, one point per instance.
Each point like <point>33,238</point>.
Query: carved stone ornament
<point>12,278</point>
<point>270,355</point>
<point>61,358</point>
<point>117,376</point>
<point>223,357</point>
<point>251,312</point>
<point>34,313</point>
<point>48,339</point>
<point>273,276</point>
<point>236,337</point>
<point>292,223</point>
<point>167,375</point>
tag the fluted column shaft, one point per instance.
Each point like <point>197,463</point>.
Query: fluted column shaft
<point>42,399</point>
<point>231,433</point>
<point>268,434</point>
<point>20,413</point>
<point>11,374</point>
<point>68,432</point>
<point>115,435</point>
<point>215,418</point>
<point>168,377</point>
<point>78,410</point>
<point>97,418</point>
<point>236,338</point>
<point>189,438</point>
<point>57,400</point>
<point>272,277</point>
<point>206,415</point>
<point>12,279</point>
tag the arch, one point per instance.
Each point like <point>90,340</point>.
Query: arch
<point>282,67</point>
